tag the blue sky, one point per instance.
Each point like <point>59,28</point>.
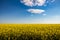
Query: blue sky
<point>22,11</point>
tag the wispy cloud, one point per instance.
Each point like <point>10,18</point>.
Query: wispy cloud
<point>36,11</point>
<point>50,1</point>
<point>44,14</point>
<point>33,2</point>
<point>53,1</point>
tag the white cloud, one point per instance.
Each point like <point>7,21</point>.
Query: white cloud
<point>36,11</point>
<point>40,2</point>
<point>27,2</point>
<point>33,2</point>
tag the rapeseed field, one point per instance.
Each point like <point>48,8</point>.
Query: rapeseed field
<point>29,31</point>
